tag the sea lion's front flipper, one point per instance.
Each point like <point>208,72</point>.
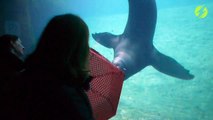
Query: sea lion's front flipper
<point>169,66</point>
<point>106,39</point>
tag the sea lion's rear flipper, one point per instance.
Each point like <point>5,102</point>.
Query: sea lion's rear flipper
<point>169,66</point>
<point>106,39</point>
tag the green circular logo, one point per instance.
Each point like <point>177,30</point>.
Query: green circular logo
<point>201,11</point>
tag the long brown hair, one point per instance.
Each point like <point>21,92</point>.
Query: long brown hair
<point>64,47</point>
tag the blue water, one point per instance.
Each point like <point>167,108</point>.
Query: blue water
<point>149,94</point>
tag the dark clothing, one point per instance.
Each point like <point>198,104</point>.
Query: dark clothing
<point>10,65</point>
<point>41,95</point>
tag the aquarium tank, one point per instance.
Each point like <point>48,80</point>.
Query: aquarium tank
<point>183,31</point>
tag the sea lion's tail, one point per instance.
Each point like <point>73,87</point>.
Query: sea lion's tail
<point>169,66</point>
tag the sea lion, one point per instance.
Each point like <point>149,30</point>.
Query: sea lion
<point>134,49</point>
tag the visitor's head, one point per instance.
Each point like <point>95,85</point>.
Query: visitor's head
<point>64,45</point>
<point>11,43</point>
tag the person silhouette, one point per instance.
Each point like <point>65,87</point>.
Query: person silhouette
<point>11,53</point>
<point>52,85</point>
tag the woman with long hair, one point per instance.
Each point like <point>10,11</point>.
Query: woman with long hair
<point>52,85</point>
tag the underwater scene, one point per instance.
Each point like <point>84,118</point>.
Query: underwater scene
<point>152,95</point>
<point>184,32</point>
